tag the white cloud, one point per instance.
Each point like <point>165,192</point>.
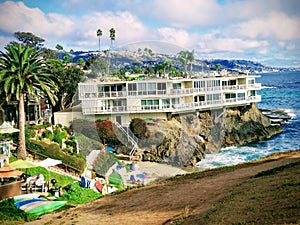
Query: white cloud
<point>17,17</point>
<point>275,25</point>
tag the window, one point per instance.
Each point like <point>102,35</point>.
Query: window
<point>230,95</point>
<point>199,84</point>
<point>241,96</point>
<point>161,86</point>
<point>212,97</point>
<point>177,86</point>
<point>175,100</point>
<point>150,104</point>
<point>213,83</point>
<point>151,88</point>
<point>251,81</point>
<point>131,87</point>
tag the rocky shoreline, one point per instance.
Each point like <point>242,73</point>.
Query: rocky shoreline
<point>184,139</point>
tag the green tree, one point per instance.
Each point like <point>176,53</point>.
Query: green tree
<point>59,47</point>
<point>112,35</point>
<point>69,77</point>
<point>183,57</point>
<point>23,72</point>
<point>29,39</point>
<point>191,58</point>
<point>99,34</point>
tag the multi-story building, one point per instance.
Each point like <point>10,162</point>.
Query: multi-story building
<point>121,100</point>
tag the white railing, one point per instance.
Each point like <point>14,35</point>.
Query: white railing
<point>172,92</point>
<point>171,107</point>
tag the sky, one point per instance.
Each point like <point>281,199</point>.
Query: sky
<point>265,31</point>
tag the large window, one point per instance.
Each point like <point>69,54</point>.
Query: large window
<point>199,98</point>
<point>213,83</point>
<point>230,95</point>
<point>199,84</point>
<point>241,96</point>
<point>150,104</point>
<point>177,86</point>
<point>213,97</point>
<point>175,101</point>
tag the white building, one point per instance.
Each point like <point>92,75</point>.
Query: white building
<point>121,101</point>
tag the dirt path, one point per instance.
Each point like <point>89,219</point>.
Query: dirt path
<point>156,204</point>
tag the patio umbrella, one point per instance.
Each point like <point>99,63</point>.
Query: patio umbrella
<point>23,164</point>
<point>8,171</point>
<point>6,128</point>
<point>49,162</point>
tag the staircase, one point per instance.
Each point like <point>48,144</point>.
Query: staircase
<point>127,137</point>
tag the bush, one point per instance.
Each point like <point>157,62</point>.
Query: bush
<point>9,212</point>
<point>54,151</point>
<point>75,194</point>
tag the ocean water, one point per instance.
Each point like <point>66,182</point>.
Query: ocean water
<point>279,91</point>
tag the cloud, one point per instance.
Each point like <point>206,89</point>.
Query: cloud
<point>17,17</point>
<point>274,25</point>
<point>79,31</point>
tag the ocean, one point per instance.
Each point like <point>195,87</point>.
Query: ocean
<point>279,91</point>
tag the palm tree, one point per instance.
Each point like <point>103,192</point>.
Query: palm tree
<point>112,35</point>
<point>184,59</point>
<point>191,58</point>
<point>99,34</point>
<point>22,73</point>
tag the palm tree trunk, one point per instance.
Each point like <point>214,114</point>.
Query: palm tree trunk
<point>22,141</point>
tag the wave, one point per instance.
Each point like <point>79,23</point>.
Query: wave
<point>291,113</point>
<point>267,87</point>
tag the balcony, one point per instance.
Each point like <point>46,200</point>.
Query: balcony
<point>171,107</point>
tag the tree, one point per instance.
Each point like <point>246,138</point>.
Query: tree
<point>112,35</point>
<point>99,34</point>
<point>23,72</point>
<point>69,77</point>
<point>191,58</point>
<point>97,65</point>
<point>183,57</point>
<point>29,39</point>
<point>59,47</point>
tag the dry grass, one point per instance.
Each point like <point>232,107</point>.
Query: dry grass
<point>272,197</point>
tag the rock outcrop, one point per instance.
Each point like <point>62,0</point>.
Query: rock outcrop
<point>184,139</point>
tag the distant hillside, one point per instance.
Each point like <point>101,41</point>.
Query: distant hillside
<point>132,55</point>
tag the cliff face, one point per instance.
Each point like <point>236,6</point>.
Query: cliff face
<point>184,139</point>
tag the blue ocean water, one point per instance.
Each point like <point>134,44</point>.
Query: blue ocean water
<point>279,91</point>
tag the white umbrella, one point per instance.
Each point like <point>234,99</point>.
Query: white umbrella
<point>49,162</point>
<point>6,128</point>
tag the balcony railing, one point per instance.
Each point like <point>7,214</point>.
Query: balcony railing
<point>170,107</point>
<point>172,92</point>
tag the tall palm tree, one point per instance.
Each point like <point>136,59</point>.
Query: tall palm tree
<point>191,58</point>
<point>23,72</point>
<point>112,35</point>
<point>183,57</point>
<point>99,34</point>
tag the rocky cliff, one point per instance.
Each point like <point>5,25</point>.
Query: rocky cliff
<point>184,139</point>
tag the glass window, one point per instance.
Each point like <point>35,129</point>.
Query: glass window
<point>131,87</point>
<point>161,86</point>
<point>177,86</point>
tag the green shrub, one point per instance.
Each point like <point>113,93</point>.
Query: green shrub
<point>9,212</point>
<point>54,151</point>
<point>74,194</point>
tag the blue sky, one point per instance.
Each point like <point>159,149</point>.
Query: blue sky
<point>266,31</point>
